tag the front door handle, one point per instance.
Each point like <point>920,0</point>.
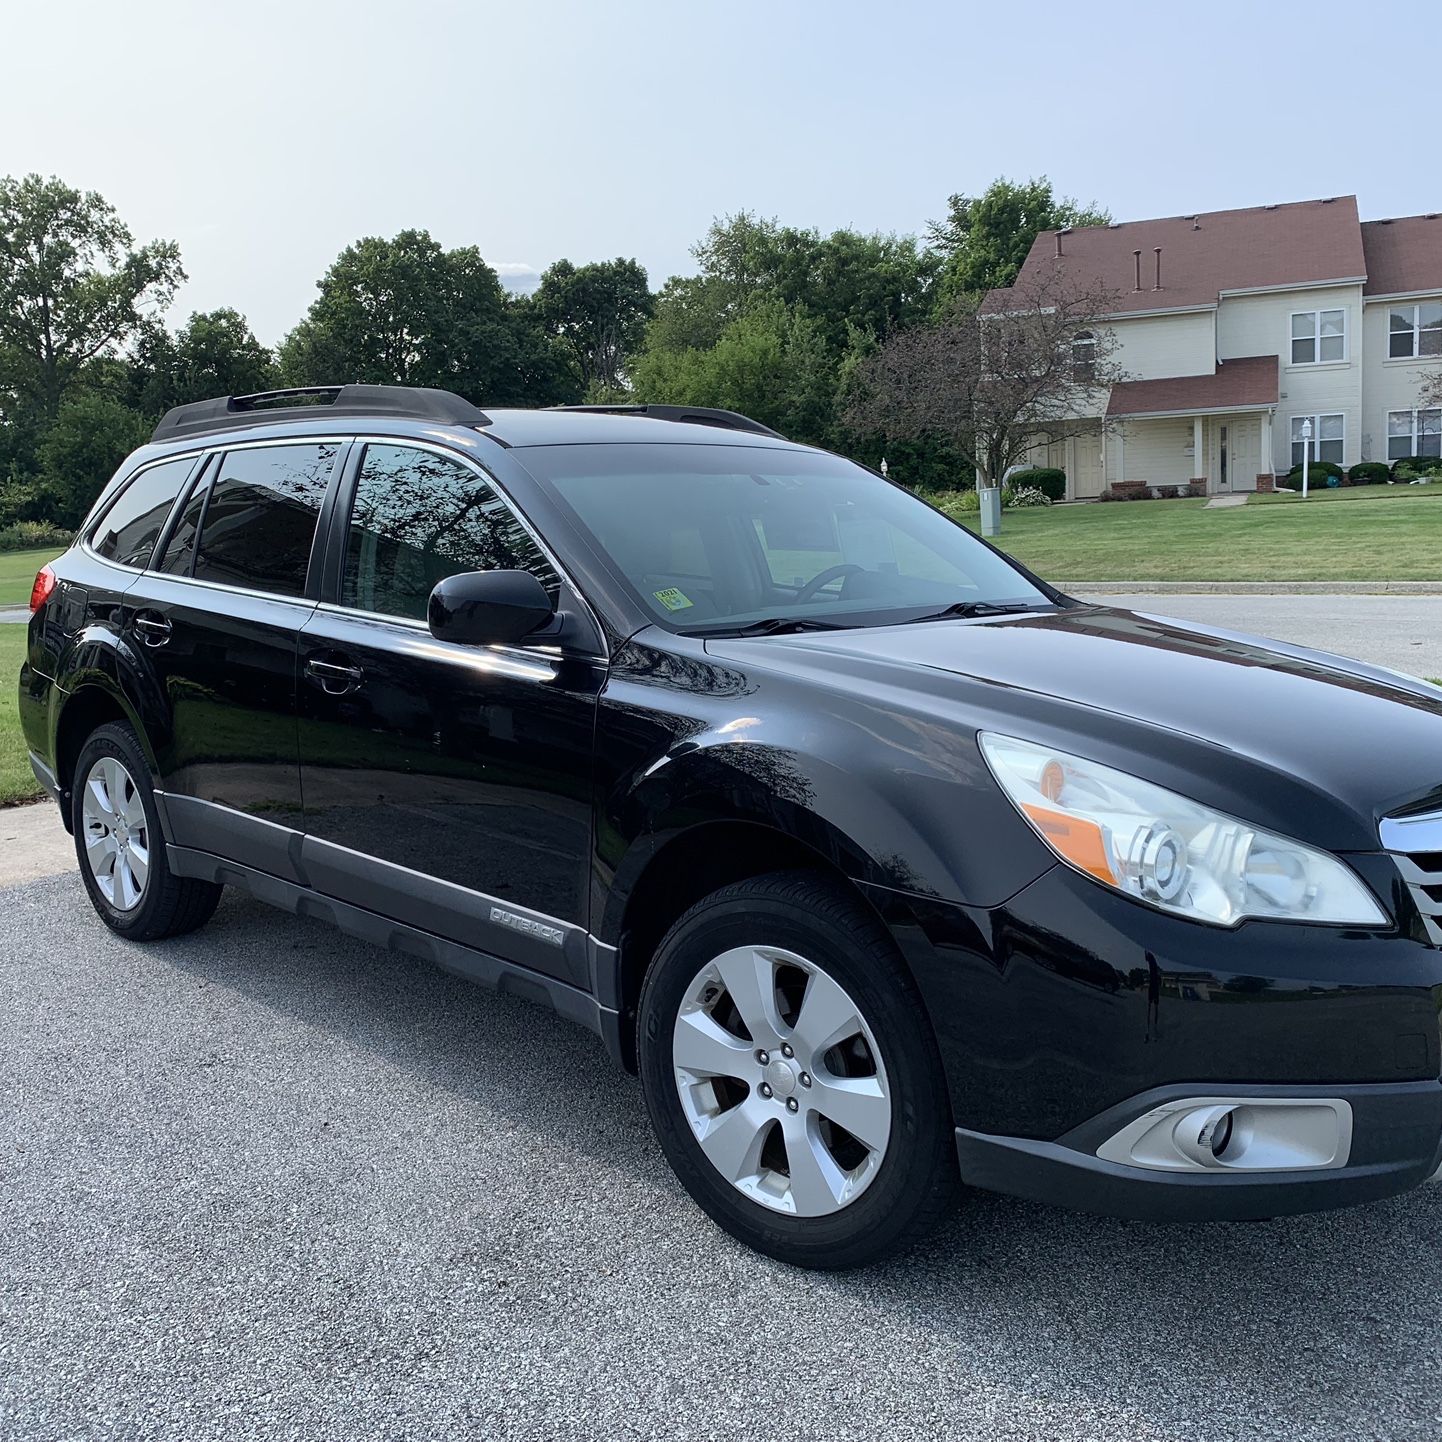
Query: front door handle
<point>335,679</point>
<point>154,629</point>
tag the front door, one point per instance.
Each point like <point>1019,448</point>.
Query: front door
<point>1088,479</point>
<point>446,786</point>
<point>1236,453</point>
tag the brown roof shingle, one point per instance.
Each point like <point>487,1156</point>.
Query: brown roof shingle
<point>1403,254</point>
<point>1303,243</point>
<point>1246,381</point>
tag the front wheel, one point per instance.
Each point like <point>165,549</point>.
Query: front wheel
<point>121,849</point>
<point>792,1077</point>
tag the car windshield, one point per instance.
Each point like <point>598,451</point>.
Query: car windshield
<point>715,538</point>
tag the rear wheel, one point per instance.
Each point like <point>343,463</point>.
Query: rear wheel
<point>121,849</point>
<point>792,1077</point>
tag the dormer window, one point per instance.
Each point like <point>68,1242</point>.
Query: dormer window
<point>1318,336</point>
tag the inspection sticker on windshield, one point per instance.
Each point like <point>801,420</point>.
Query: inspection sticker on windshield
<point>673,600</point>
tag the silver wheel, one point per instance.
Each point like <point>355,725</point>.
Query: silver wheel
<point>117,835</point>
<point>782,1081</point>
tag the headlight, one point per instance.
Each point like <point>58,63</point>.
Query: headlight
<point>1170,852</point>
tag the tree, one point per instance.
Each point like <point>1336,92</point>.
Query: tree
<point>598,312</point>
<point>214,354</point>
<point>1430,394</point>
<point>407,312</point>
<point>72,287</point>
<point>985,238</point>
<point>993,382</point>
<point>80,452</point>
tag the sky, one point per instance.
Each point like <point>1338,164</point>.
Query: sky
<point>265,137</point>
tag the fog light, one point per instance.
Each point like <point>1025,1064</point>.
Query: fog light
<point>1202,1136</point>
<point>1236,1134</point>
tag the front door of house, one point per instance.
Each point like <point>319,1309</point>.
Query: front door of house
<point>1088,481</point>
<point>1236,442</point>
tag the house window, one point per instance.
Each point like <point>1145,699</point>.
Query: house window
<point>1415,330</point>
<point>1084,357</point>
<point>1318,335</point>
<point>1414,433</point>
<point>1327,442</point>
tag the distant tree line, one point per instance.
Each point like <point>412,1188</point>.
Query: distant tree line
<point>787,325</point>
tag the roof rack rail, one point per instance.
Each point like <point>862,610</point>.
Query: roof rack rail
<point>226,413</point>
<point>694,415</point>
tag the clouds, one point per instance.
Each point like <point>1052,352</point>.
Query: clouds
<point>516,276</point>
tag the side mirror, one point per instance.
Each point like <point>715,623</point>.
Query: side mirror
<point>486,608</point>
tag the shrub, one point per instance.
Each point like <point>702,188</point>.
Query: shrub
<point>957,503</point>
<point>31,535</point>
<point>1015,497</point>
<point>1416,468</point>
<point>1321,473</point>
<point>1049,480</point>
<point>1369,473</point>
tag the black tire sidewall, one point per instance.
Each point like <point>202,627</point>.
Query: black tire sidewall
<point>884,1215</point>
<point>118,740</point>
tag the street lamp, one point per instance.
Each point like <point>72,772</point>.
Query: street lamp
<point>1306,453</point>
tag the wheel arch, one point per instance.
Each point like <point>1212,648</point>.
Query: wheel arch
<point>96,701</point>
<point>685,864</point>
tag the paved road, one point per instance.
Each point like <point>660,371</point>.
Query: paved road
<point>1403,632</point>
<point>266,1182</point>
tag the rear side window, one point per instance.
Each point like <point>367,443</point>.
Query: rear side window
<point>130,528</point>
<point>180,548</point>
<point>418,518</point>
<point>260,517</point>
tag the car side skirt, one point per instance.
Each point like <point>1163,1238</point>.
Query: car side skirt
<point>481,967</point>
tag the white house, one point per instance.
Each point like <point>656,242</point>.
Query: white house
<point>1237,326</point>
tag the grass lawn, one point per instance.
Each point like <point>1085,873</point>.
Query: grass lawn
<point>16,780</point>
<point>17,573</point>
<point>1364,533</point>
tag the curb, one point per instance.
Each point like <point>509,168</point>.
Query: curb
<point>1251,588</point>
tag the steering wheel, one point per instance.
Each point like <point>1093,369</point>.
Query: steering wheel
<point>826,577</point>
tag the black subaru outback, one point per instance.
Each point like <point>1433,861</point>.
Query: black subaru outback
<point>888,866</point>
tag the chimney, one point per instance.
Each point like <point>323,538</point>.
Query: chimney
<point>1137,260</point>
<point>1058,242</point>
<point>1158,251</point>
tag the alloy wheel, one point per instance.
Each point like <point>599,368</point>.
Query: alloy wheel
<point>117,834</point>
<point>781,1081</point>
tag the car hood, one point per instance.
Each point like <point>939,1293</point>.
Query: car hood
<point>1369,739</point>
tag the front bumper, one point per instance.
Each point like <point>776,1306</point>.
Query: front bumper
<point>1396,1144</point>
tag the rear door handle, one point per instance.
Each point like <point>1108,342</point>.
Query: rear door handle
<point>335,678</point>
<point>154,629</point>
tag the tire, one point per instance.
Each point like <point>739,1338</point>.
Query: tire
<point>790,1180</point>
<point>121,848</point>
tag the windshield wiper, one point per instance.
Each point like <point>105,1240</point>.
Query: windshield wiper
<point>771,626</point>
<point>978,608</point>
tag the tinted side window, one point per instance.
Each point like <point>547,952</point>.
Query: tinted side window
<point>129,530</point>
<point>417,518</point>
<point>260,519</point>
<point>180,548</point>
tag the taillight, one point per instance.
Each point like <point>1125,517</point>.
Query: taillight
<point>44,585</point>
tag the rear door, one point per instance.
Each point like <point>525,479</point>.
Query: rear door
<point>215,622</point>
<point>445,786</point>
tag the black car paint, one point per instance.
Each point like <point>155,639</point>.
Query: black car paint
<point>509,806</point>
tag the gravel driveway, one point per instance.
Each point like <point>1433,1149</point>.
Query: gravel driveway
<point>269,1182</point>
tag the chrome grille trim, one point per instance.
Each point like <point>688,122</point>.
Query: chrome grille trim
<point>1416,846</point>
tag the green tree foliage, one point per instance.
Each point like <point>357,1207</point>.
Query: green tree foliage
<point>89,438</point>
<point>214,354</point>
<point>407,312</point>
<point>777,320</point>
<point>985,238</point>
<point>72,287</point>
<point>598,314</point>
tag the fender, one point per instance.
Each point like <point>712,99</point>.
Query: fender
<point>99,657</point>
<point>813,778</point>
